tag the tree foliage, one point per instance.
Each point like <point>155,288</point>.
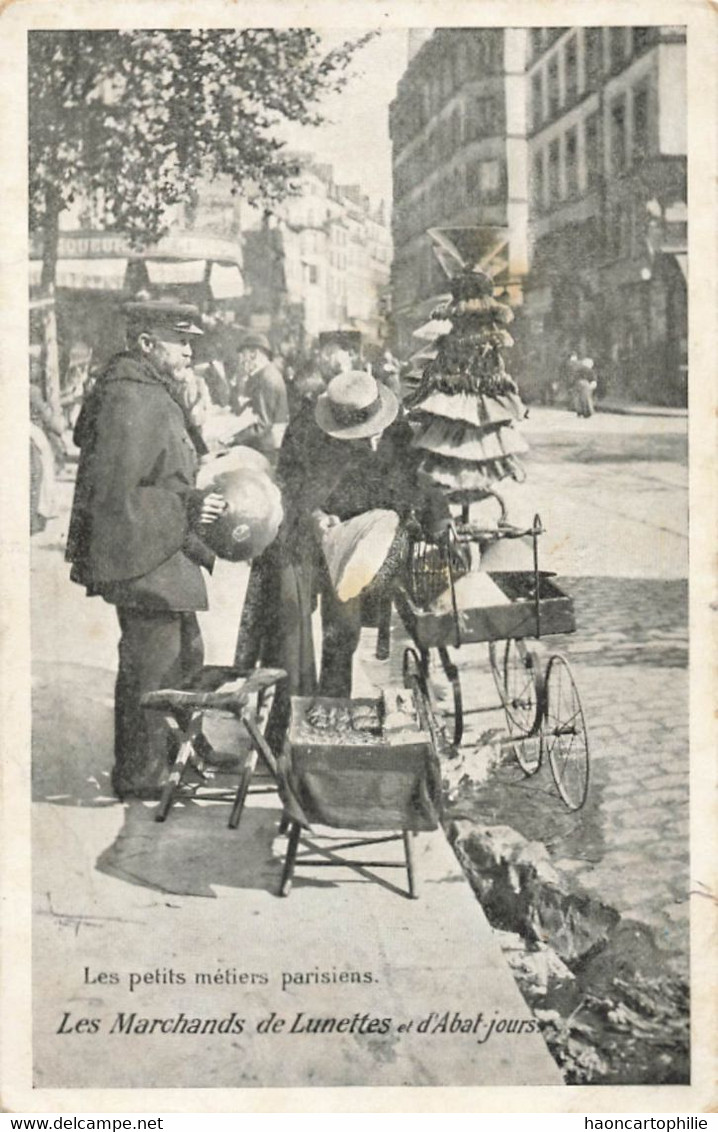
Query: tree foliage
<point>130,120</point>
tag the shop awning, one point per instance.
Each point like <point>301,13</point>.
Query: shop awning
<point>84,274</point>
<point>225,281</point>
<point>168,271</point>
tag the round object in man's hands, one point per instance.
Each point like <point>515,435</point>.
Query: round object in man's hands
<point>251,518</point>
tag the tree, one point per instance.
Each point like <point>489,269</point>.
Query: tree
<point>130,120</point>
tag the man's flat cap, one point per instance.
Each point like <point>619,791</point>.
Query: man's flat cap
<point>184,318</point>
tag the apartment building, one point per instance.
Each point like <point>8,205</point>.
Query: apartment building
<point>331,254</point>
<point>457,128</point>
<point>606,109</point>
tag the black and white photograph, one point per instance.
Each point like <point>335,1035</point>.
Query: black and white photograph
<point>359,359</point>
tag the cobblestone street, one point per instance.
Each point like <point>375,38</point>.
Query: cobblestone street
<point>614,508</point>
<point>629,844</point>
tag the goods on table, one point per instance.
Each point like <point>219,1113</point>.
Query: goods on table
<point>342,721</point>
<point>391,718</point>
<point>359,765</point>
<point>476,590</point>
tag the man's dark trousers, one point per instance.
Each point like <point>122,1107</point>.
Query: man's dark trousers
<point>156,650</point>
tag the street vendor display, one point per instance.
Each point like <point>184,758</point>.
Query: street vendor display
<point>466,405</point>
<point>512,611</point>
<point>464,412</point>
<point>358,764</point>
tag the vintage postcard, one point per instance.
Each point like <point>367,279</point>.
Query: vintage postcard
<point>358,403</point>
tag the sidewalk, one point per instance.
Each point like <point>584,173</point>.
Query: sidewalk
<point>163,956</point>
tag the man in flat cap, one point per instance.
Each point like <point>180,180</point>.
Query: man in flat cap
<point>263,387</point>
<point>135,529</point>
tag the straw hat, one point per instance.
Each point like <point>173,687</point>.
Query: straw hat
<point>355,405</point>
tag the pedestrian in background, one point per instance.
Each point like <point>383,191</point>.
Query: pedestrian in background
<point>585,388</point>
<point>572,371</point>
<point>265,394</point>
<point>308,384</point>
<point>333,360</point>
<point>134,536</point>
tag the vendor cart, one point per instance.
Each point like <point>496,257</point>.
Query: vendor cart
<point>443,605</point>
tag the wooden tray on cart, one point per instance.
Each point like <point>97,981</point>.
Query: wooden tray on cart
<point>377,780</point>
<point>521,616</point>
<point>386,779</point>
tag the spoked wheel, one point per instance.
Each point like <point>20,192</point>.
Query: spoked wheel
<point>496,660</point>
<point>414,668</point>
<point>528,749</point>
<point>564,733</point>
<point>518,675</point>
<point>452,674</point>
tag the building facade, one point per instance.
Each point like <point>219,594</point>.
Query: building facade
<point>606,109</point>
<point>458,135</point>
<point>320,261</point>
<point>331,256</point>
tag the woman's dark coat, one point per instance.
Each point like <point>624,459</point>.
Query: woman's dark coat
<point>317,472</point>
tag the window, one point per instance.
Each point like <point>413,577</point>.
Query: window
<point>462,61</point>
<point>554,159</point>
<point>572,162</point>
<point>641,39</point>
<point>490,179</point>
<point>593,56</point>
<point>537,185</point>
<point>571,70</point>
<point>487,51</point>
<point>536,41</point>
<point>472,180</point>
<point>456,129</point>
<point>446,78</point>
<point>592,149</point>
<point>617,47</point>
<point>618,134</point>
<point>313,273</point>
<point>554,91</point>
<point>482,117</point>
<point>537,99</point>
<point>624,231</point>
<point>640,123</point>
<point>457,190</point>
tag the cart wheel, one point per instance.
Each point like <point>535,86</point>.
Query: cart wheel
<point>518,676</point>
<point>565,736</point>
<point>496,661</point>
<point>414,678</point>
<point>452,674</point>
<point>523,686</point>
<point>528,749</point>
